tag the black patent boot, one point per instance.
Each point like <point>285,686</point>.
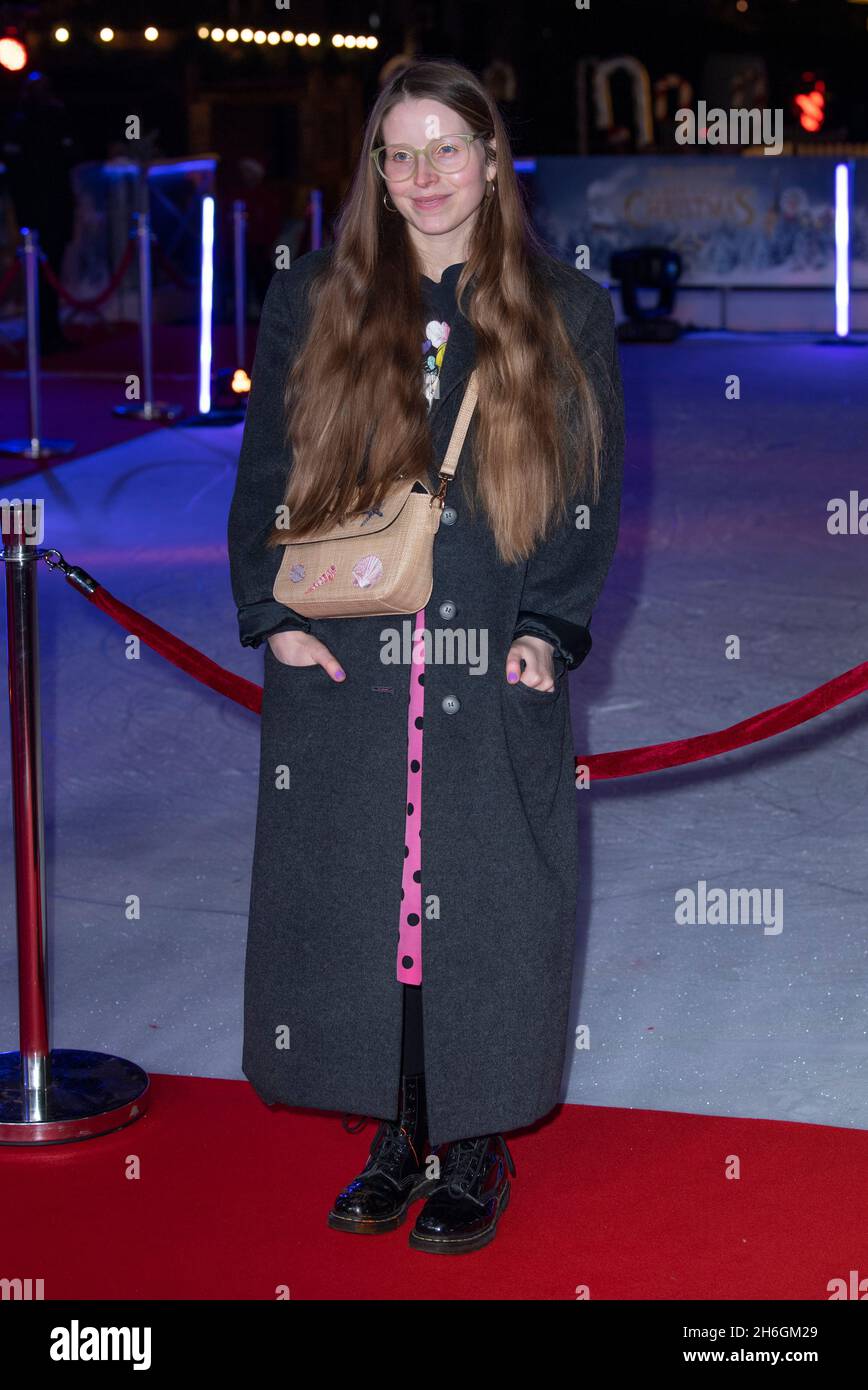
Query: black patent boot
<point>394,1175</point>
<point>463,1208</point>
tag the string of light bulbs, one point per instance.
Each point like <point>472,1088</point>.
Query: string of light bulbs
<point>259,37</point>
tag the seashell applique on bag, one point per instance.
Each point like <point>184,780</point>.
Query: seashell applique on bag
<point>380,561</point>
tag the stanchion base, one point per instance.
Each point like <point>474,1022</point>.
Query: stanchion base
<point>88,1093</point>
<point>215,417</point>
<point>36,448</point>
<point>149,410</point>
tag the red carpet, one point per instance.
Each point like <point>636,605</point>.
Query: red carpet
<point>232,1198</point>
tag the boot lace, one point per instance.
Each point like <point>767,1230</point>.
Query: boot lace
<point>390,1144</point>
<point>464,1160</point>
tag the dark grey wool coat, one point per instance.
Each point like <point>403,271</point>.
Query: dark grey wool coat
<point>323,1007</point>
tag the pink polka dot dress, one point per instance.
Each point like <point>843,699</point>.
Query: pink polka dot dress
<point>409,969</point>
<point>410,932</point>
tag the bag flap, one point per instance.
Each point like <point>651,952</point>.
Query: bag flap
<point>363,523</point>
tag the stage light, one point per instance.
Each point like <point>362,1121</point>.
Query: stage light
<point>259,36</point>
<point>13,55</point>
<point>301,39</point>
<point>217,35</point>
<point>372,42</point>
<point>206,304</point>
<point>338,40</point>
<point>313,40</point>
<point>287,36</point>
<point>232,35</point>
<point>247,36</point>
<point>240,381</point>
<point>203,31</point>
<point>273,36</point>
<point>349,41</point>
<point>106,34</point>
<point>152,34</point>
<point>842,250</point>
<point>61,35</point>
<point>648,268</point>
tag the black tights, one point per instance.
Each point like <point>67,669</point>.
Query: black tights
<point>412,1053</point>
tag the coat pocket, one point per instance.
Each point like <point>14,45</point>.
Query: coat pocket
<point>534,732</point>
<point>530,692</point>
<point>302,677</point>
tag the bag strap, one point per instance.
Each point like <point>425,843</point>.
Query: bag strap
<point>468,405</point>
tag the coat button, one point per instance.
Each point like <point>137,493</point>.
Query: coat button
<point>449,516</point>
<point>447,609</point>
<point>450,704</point>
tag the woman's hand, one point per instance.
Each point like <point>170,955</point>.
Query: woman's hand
<point>302,649</point>
<point>538,656</point>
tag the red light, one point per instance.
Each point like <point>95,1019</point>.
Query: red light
<point>811,107</point>
<point>13,55</point>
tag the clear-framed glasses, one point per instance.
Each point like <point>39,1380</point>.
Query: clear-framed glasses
<point>448,154</point>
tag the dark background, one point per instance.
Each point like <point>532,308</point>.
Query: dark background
<point>299,109</point>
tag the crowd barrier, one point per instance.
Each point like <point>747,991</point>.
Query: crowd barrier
<point>625,762</point>
<point>52,1096</point>
<point>57,1095</point>
<point>140,245</point>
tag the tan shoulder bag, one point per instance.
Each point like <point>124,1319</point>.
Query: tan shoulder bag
<point>377,563</point>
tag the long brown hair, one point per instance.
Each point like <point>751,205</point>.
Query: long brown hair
<point>355,409</point>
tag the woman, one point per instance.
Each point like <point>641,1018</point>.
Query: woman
<point>407,861</point>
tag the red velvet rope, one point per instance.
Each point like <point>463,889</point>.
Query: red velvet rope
<point>181,654</point>
<point>97,299</point>
<point>626,762</point>
<point>104,294</point>
<point>11,274</point>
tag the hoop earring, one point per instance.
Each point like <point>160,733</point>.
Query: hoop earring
<point>386,205</point>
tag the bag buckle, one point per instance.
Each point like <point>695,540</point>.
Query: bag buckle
<point>440,494</point>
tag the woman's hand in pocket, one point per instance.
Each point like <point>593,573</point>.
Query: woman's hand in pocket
<point>302,649</point>
<point>539,669</point>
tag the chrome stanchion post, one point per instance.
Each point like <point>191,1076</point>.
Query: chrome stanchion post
<point>146,301</point>
<point>35,447</point>
<point>31,292</point>
<point>46,1096</point>
<point>315,219</point>
<point>239,222</point>
<point>24,716</point>
<point>147,408</point>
